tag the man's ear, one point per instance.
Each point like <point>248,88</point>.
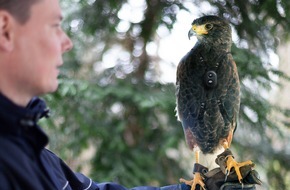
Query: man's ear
<point>6,32</point>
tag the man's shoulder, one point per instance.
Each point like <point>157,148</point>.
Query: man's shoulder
<point>50,158</point>
<point>9,148</point>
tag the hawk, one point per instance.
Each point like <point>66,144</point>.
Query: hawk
<point>208,93</point>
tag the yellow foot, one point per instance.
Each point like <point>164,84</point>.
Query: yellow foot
<point>232,163</point>
<point>197,180</point>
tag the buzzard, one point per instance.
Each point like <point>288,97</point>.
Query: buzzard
<point>208,93</point>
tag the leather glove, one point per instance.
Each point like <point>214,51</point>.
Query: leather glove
<point>216,179</point>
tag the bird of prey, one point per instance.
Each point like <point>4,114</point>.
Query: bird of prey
<point>208,93</point>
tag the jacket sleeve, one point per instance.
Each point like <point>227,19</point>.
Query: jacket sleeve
<point>115,186</point>
<point>78,181</point>
<point>4,180</point>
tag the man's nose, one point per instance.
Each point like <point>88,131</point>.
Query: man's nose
<point>67,44</point>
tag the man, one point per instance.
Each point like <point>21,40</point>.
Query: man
<point>31,46</point>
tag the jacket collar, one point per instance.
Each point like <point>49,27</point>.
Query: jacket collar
<point>22,121</point>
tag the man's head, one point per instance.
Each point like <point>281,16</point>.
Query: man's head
<point>20,9</point>
<point>31,46</point>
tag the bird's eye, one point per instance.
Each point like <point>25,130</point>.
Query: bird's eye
<point>208,26</point>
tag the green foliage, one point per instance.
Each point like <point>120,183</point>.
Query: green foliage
<point>128,116</point>
<point>128,125</point>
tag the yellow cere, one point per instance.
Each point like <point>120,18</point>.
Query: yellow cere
<point>199,29</point>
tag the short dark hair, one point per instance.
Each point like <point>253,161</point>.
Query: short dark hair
<point>19,9</point>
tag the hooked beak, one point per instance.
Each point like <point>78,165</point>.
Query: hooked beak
<point>191,33</point>
<point>197,30</point>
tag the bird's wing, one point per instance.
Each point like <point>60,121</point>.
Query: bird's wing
<point>189,95</point>
<point>230,93</point>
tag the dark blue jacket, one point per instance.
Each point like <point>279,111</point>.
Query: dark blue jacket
<point>26,164</point>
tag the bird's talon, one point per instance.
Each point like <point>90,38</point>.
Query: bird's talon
<point>187,182</point>
<point>232,163</point>
<point>197,180</point>
<point>227,174</point>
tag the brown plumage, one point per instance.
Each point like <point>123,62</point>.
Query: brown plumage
<point>207,86</point>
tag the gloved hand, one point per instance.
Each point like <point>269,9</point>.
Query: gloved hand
<point>250,176</point>
<point>237,186</point>
<point>225,186</point>
<point>216,179</point>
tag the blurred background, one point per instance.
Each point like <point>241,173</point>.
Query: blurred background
<point>113,116</point>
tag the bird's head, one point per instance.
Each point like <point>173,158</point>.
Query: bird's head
<point>211,30</point>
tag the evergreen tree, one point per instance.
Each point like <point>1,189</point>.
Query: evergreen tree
<point>127,115</point>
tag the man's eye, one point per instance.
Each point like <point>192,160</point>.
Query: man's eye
<point>57,25</point>
<point>208,26</point>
